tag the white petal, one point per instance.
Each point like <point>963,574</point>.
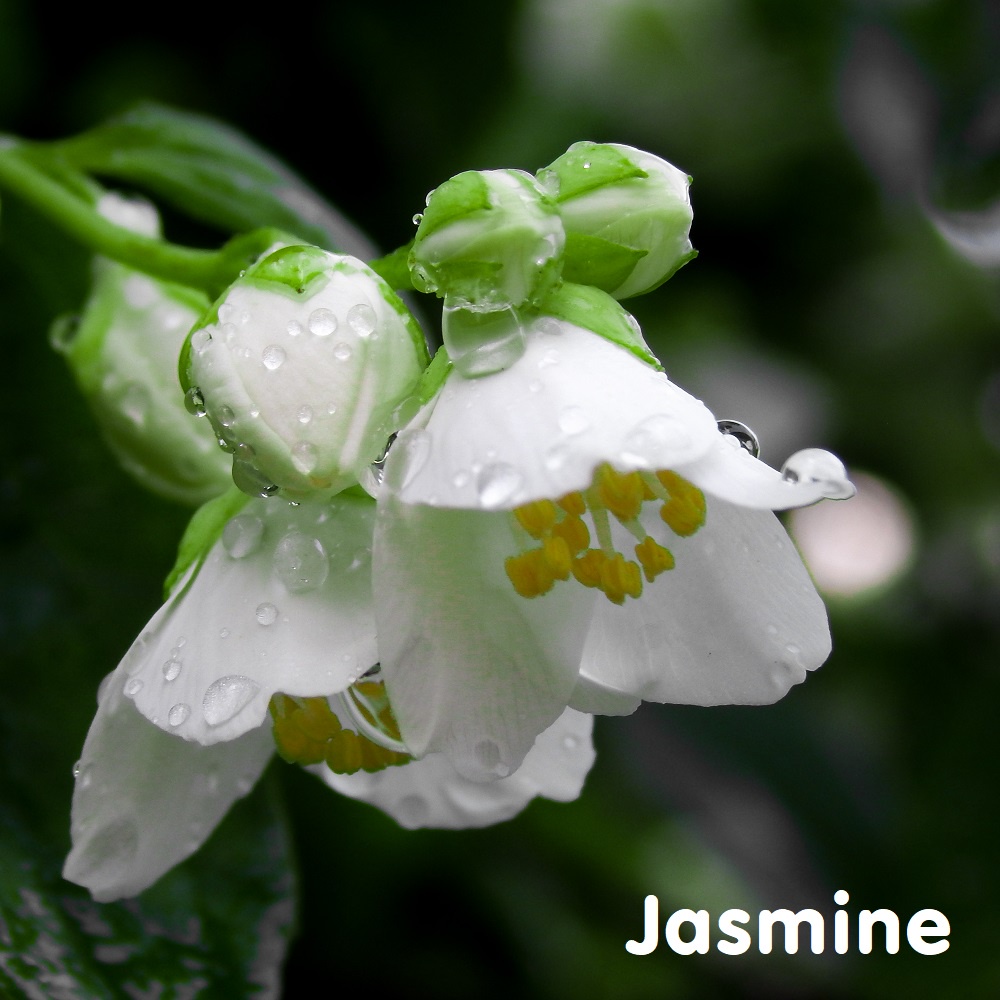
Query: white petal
<point>473,670</point>
<point>431,793</point>
<point>280,613</point>
<point>738,621</point>
<point>145,800</point>
<point>730,473</point>
<point>540,428</point>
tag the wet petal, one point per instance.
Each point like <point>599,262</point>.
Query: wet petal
<point>144,800</point>
<point>730,473</point>
<point>431,793</point>
<point>282,603</point>
<point>473,670</point>
<point>738,621</point>
<point>540,428</point>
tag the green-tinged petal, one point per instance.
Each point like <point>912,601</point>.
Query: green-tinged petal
<point>431,793</point>
<point>473,670</point>
<point>540,428</point>
<point>145,800</point>
<point>281,603</point>
<point>737,621</point>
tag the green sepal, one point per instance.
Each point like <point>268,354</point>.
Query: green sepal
<point>456,198</point>
<point>586,166</point>
<point>203,531</point>
<point>297,271</point>
<point>594,310</point>
<point>681,261</point>
<point>394,268</point>
<point>590,260</point>
<point>211,171</point>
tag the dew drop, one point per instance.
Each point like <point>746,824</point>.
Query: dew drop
<point>225,416</point>
<point>194,402</point>
<point>266,613</point>
<point>549,358</point>
<point>200,340</point>
<point>741,435</point>
<point>273,357</point>
<point>227,312</point>
<point>227,697</point>
<point>172,670</point>
<point>488,755</point>
<point>133,687</point>
<point>304,457</point>
<point>248,478</point>
<point>295,328</point>
<point>322,322</point>
<point>496,484</point>
<point>331,409</point>
<point>555,457</point>
<point>301,563</point>
<point>242,535</point>
<point>573,420</point>
<point>342,352</point>
<point>223,633</point>
<point>178,714</point>
<point>362,320</point>
<point>305,414</point>
<point>418,218</point>
<point>814,465</point>
<point>461,479</point>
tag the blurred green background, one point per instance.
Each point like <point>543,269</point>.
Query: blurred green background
<point>824,309</point>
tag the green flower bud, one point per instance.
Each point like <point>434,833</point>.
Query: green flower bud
<point>300,366</point>
<point>627,216</point>
<point>488,240</point>
<point>123,351</point>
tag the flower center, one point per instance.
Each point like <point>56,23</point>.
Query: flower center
<point>308,731</point>
<point>563,537</point>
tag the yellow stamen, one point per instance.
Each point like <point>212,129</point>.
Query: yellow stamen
<point>574,532</point>
<point>529,572</point>
<point>653,558</point>
<point>684,512</point>
<point>620,492</point>
<point>620,578</point>
<point>587,569</point>
<point>557,557</point>
<point>573,504</point>
<point>536,518</point>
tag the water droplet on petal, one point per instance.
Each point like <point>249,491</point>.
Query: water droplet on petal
<point>555,457</point>
<point>362,319</point>
<point>225,416</point>
<point>651,443</point>
<point>814,465</point>
<point>178,714</point>
<point>497,484</point>
<point>488,755</point>
<point>305,414</point>
<point>200,340</point>
<point>227,312</point>
<point>248,478</point>
<point>342,352</point>
<point>741,435</point>
<point>172,670</point>
<point>227,697</point>
<point>273,357</point>
<point>295,328</point>
<point>304,457</point>
<point>266,613</point>
<point>242,535</point>
<point>133,687</point>
<point>301,563</point>
<point>322,322</point>
<point>194,401</point>
<point>549,358</point>
<point>573,420</point>
<point>223,633</point>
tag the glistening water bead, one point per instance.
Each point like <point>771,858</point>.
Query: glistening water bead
<point>742,434</point>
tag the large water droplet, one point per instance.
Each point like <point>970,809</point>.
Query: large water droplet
<point>172,670</point>
<point>227,312</point>
<point>301,562</point>
<point>200,340</point>
<point>227,697</point>
<point>194,402</point>
<point>322,322</point>
<point>362,319</point>
<point>178,714</point>
<point>242,535</point>
<point>225,416</point>
<point>741,435</point>
<point>250,480</point>
<point>273,357</point>
<point>497,484</point>
<point>266,613</point>
<point>814,465</point>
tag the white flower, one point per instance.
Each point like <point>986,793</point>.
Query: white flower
<point>511,501</point>
<point>278,615</point>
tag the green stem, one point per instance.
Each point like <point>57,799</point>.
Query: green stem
<point>394,269</point>
<point>211,271</point>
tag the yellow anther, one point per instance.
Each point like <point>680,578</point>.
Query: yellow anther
<point>573,504</point>
<point>684,512</point>
<point>344,753</point>
<point>654,558</point>
<point>530,573</point>
<point>558,557</point>
<point>574,532</point>
<point>620,492</point>
<point>587,568</point>
<point>536,518</point>
<point>620,578</point>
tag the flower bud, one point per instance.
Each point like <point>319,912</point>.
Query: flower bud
<point>627,216</point>
<point>123,352</point>
<point>488,240</point>
<point>299,367</point>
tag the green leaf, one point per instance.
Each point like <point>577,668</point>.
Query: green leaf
<point>590,260</point>
<point>598,312</point>
<point>210,170</point>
